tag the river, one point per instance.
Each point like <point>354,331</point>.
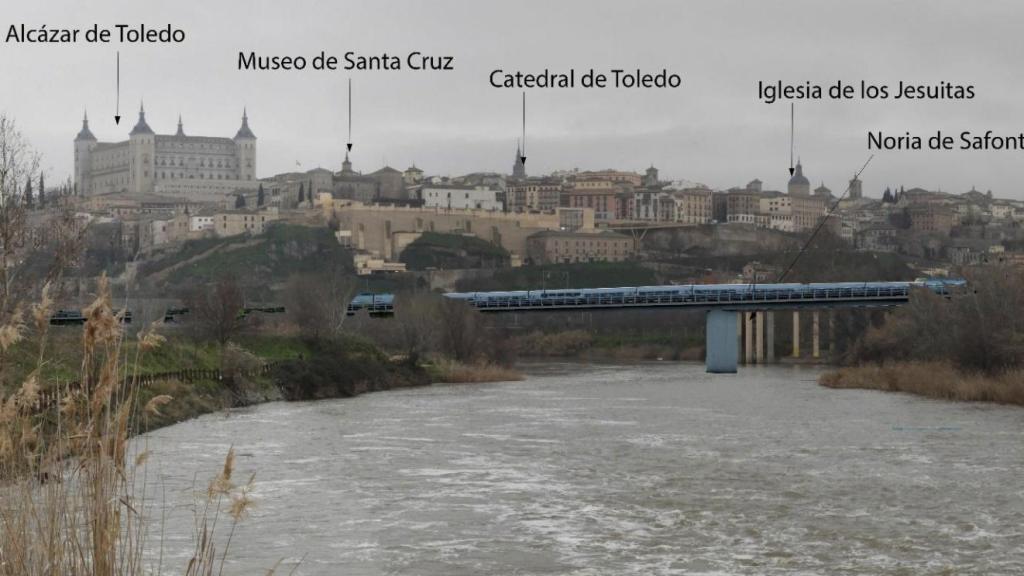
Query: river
<point>641,469</point>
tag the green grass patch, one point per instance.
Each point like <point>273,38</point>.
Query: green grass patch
<point>274,347</point>
<point>283,250</point>
<point>189,249</point>
<point>64,356</point>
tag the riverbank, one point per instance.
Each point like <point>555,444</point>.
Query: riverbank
<point>199,378</point>
<point>931,379</point>
<point>299,370</point>
<point>273,368</point>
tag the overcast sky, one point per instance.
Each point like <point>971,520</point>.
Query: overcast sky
<point>712,130</point>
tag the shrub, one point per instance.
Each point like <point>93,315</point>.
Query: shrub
<point>978,329</point>
<point>341,368</point>
<point>932,379</point>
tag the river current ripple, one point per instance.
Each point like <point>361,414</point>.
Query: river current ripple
<point>584,470</point>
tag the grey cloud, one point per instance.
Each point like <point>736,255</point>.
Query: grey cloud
<point>711,130</point>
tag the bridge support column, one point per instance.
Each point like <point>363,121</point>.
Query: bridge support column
<point>722,341</point>
<point>832,333</point>
<point>796,333</point>
<point>739,337</point>
<point>759,337</point>
<point>748,338</point>
<point>815,335</point>
<point>769,328</point>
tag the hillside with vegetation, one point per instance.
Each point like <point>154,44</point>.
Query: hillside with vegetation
<point>433,250</point>
<point>282,251</point>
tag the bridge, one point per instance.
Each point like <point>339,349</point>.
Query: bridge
<point>732,309</point>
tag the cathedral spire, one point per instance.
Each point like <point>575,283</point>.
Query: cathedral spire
<point>518,167</point>
<point>181,130</point>
<point>244,131</point>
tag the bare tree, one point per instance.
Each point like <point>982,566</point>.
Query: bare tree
<point>979,328</point>
<point>28,268</point>
<point>217,309</point>
<point>462,334</point>
<point>18,163</point>
<point>317,302</point>
<point>416,323</point>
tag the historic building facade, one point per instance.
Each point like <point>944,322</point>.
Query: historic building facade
<point>534,194</point>
<point>557,247</point>
<point>150,163</point>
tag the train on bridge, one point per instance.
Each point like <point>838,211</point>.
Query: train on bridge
<point>728,296</point>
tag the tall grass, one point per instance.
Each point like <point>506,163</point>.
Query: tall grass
<point>566,343</point>
<point>452,372</point>
<point>72,489</point>
<point>932,379</point>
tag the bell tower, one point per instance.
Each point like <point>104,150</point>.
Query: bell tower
<point>84,143</point>
<point>141,154</point>
<point>245,150</point>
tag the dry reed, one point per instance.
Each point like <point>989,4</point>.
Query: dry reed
<point>72,494</point>
<point>452,372</point>
<point>931,379</point>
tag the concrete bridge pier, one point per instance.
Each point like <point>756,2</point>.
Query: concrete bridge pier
<point>831,333</point>
<point>769,327</point>
<point>815,335</point>
<point>722,340</point>
<point>739,337</point>
<point>748,338</point>
<point>759,336</point>
<point>796,333</point>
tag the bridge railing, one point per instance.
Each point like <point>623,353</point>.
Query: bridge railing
<point>684,296</point>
